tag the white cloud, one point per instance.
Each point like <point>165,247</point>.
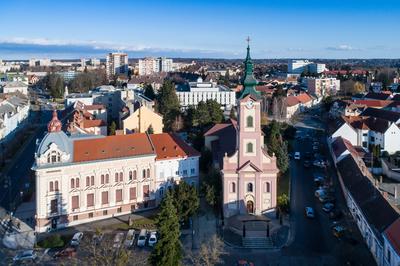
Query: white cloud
<point>342,47</point>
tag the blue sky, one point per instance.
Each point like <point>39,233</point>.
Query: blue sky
<point>217,29</point>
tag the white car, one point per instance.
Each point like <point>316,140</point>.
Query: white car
<point>152,239</point>
<point>76,239</point>
<point>297,155</point>
<point>25,255</point>
<point>130,238</point>
<point>118,240</point>
<point>141,242</point>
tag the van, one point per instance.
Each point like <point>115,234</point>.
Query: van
<point>130,237</point>
<point>141,242</point>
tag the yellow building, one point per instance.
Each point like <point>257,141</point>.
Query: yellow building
<point>141,119</point>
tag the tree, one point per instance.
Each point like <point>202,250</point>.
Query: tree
<point>358,87</point>
<point>232,114</point>
<point>210,194</point>
<point>215,112</point>
<point>112,128</point>
<point>168,104</point>
<point>210,253</point>
<point>168,250</point>
<point>186,200</point>
<point>149,92</point>
<point>282,158</point>
<point>283,203</point>
<point>150,130</point>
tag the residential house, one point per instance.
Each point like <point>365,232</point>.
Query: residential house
<point>139,118</point>
<point>14,113</point>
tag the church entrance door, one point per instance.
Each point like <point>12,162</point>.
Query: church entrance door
<point>250,206</point>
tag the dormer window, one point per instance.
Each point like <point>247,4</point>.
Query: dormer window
<point>53,157</point>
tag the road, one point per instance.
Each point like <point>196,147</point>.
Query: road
<point>313,242</point>
<point>18,173</point>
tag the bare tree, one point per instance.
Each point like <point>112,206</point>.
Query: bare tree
<point>209,254</point>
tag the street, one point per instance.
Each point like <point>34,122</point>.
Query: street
<point>313,242</point>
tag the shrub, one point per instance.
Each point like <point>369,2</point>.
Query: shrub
<point>53,241</point>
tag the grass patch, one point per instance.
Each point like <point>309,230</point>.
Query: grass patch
<point>283,183</point>
<point>54,241</point>
<point>145,222</point>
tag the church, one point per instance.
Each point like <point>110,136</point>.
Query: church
<point>249,174</point>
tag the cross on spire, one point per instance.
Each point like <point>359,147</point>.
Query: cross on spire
<point>248,40</point>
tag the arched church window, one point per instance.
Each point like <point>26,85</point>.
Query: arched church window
<point>249,187</point>
<point>267,187</point>
<point>233,187</point>
<point>53,157</point>
<point>249,147</point>
<point>249,121</point>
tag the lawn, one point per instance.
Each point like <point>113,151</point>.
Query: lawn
<point>145,222</point>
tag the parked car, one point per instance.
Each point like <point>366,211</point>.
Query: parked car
<point>319,163</point>
<point>320,192</point>
<point>130,238</point>
<point>328,207</point>
<point>338,231</point>
<point>25,255</point>
<point>141,242</point>
<point>152,239</point>
<point>308,155</point>
<point>76,239</point>
<point>315,148</point>
<point>69,252</point>
<point>118,240</point>
<point>297,155</point>
<point>97,238</point>
<point>309,212</point>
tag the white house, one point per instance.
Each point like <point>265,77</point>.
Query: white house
<point>14,86</point>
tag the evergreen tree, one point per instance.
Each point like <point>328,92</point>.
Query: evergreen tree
<point>168,104</point>
<point>201,115</point>
<point>149,92</point>
<point>215,112</point>
<point>150,130</point>
<point>232,114</point>
<point>186,200</point>
<point>168,250</point>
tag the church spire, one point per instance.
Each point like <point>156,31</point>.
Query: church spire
<point>54,125</point>
<point>249,82</point>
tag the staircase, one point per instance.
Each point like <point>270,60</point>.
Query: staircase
<point>257,242</point>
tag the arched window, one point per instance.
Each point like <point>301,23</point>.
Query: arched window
<point>148,173</point>
<point>87,181</point>
<point>51,186</point>
<point>144,173</point>
<point>107,178</point>
<point>56,185</point>
<point>130,175</point>
<point>48,158</point>
<point>92,180</point>
<point>134,175</point>
<point>121,177</point>
<point>102,179</point>
<point>267,187</point>
<point>72,183</point>
<point>249,147</point>
<point>54,157</point>
<point>161,191</point>
<point>116,177</point>
<point>249,187</point>
<point>77,182</point>
<point>233,187</point>
<point>249,121</point>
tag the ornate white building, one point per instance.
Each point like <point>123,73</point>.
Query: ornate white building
<point>81,179</point>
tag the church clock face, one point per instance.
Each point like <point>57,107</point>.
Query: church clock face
<point>250,104</point>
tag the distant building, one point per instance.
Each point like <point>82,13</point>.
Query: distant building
<point>68,75</point>
<point>137,118</point>
<point>88,119</point>
<point>14,86</point>
<point>300,66</point>
<point>150,65</point>
<point>199,91</point>
<point>94,62</point>
<point>116,63</point>
<point>39,62</point>
<point>321,87</point>
<point>83,62</point>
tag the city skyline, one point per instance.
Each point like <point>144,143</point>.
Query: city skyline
<point>278,29</point>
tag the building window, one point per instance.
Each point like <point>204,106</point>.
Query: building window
<point>72,183</point>
<point>107,178</point>
<point>87,181</point>
<point>90,214</point>
<point>51,186</point>
<point>148,173</point>
<point>233,187</point>
<point>104,197</point>
<point>146,192</point>
<point>118,195</point>
<point>119,210</point>
<point>53,206</point>
<point>267,187</point>
<point>144,174</point>
<point>53,157</point>
<point>90,200</point>
<point>184,172</point>
<point>192,171</point>
<point>249,187</point>
<point>388,256</point>
<point>56,185</point>
<point>105,212</point>
<point>102,179</point>
<point>77,182</point>
<point>116,177</point>
<point>177,173</point>
<point>75,202</point>
<point>132,193</point>
<point>130,175</point>
<point>134,175</point>
<point>249,147</point>
<point>75,217</point>
<point>121,177</point>
<point>92,180</point>
<point>249,121</point>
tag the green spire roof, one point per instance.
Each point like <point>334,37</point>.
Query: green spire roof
<point>249,82</point>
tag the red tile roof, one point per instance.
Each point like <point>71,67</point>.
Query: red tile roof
<point>392,233</point>
<point>94,107</point>
<point>93,123</point>
<point>112,147</point>
<point>169,146</point>
<point>217,127</point>
<point>304,98</point>
<point>372,103</point>
<point>292,101</point>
